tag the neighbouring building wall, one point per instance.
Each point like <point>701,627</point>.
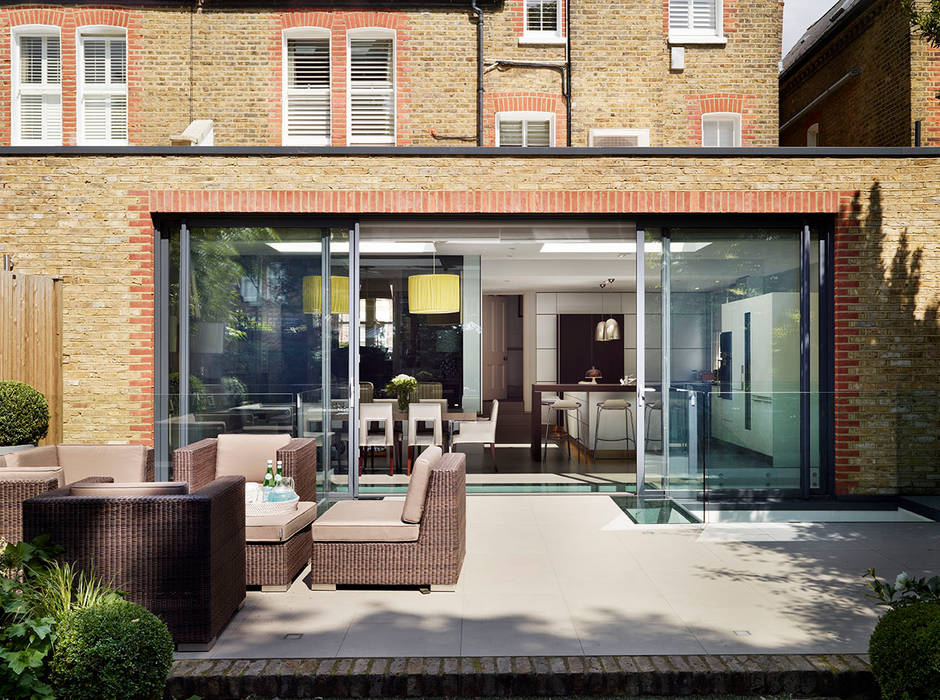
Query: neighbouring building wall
<point>871,109</point>
<point>925,87</point>
<point>224,62</point>
<point>89,219</point>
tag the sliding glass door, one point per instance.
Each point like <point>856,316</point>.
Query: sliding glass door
<point>254,329</point>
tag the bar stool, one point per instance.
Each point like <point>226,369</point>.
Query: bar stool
<point>652,407</point>
<point>615,405</point>
<point>565,406</point>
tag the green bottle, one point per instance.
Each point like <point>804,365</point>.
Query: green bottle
<point>279,474</point>
<point>269,476</point>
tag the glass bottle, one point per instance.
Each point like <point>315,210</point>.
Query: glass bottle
<point>269,475</point>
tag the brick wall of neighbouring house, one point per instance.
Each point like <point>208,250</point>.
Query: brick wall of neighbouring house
<point>224,63</point>
<point>88,219</point>
<point>872,109</point>
<point>925,88</point>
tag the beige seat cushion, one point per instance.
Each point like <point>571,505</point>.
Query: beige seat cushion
<point>45,456</point>
<point>281,527</point>
<point>130,489</point>
<point>238,454</point>
<point>29,473</point>
<point>124,463</point>
<point>364,521</point>
<point>418,485</point>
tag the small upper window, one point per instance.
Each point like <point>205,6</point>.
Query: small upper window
<point>102,86</point>
<point>542,17</point>
<point>721,130</point>
<point>37,88</point>
<point>695,20</point>
<point>306,88</point>
<point>812,136</point>
<point>528,129</point>
<point>371,87</point>
<point>619,138</point>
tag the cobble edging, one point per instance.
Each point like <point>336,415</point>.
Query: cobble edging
<point>829,675</point>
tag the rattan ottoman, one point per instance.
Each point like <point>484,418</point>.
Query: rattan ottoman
<point>277,548</point>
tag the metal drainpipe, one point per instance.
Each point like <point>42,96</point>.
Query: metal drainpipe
<point>568,68</point>
<point>479,13</point>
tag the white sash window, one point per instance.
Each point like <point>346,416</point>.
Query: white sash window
<point>690,20</point>
<point>102,88</point>
<point>371,87</point>
<point>527,129</point>
<point>542,17</point>
<point>721,130</point>
<point>37,87</point>
<point>306,88</point>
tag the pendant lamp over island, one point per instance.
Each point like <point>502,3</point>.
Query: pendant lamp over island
<point>313,294</point>
<point>434,293</point>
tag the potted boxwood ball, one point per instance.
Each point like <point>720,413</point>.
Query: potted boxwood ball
<point>24,416</point>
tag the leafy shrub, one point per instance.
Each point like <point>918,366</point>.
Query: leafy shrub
<point>111,650</point>
<point>61,588</point>
<point>904,591</point>
<point>905,652</point>
<point>24,414</point>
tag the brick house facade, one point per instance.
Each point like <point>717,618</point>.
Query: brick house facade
<point>896,85</point>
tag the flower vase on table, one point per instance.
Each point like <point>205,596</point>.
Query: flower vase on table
<point>403,386</point>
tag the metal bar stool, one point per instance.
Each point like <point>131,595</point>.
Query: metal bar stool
<point>615,405</point>
<point>652,406</point>
<point>565,406</point>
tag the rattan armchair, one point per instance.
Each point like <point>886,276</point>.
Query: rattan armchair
<point>180,556</point>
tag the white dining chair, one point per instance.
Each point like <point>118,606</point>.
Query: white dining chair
<point>368,442</point>
<point>477,432</point>
<point>424,413</point>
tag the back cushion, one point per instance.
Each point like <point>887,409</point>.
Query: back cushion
<point>159,488</point>
<point>238,454</point>
<point>45,456</point>
<point>121,462</point>
<point>31,473</point>
<point>418,486</point>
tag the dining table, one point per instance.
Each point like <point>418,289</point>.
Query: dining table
<point>448,418</point>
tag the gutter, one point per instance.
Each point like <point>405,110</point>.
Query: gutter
<point>822,96</point>
<point>479,13</point>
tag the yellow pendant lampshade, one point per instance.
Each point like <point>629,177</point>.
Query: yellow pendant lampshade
<point>433,294</point>
<point>313,294</point>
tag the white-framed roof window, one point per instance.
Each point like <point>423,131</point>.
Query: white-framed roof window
<point>526,129</point>
<point>721,130</point>
<point>306,71</point>
<point>812,136</point>
<point>696,22</point>
<point>371,100</point>
<point>619,138</point>
<point>102,86</point>
<point>36,83</point>
<point>542,22</point>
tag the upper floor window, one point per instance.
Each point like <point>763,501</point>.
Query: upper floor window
<point>306,99</point>
<point>37,87</point>
<point>528,129</point>
<point>542,19</point>
<point>692,21</point>
<point>372,87</point>
<point>102,86</point>
<point>619,138</point>
<point>721,130</point>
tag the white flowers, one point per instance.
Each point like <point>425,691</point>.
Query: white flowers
<point>902,580</point>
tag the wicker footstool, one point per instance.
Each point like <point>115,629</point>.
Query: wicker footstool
<point>277,547</point>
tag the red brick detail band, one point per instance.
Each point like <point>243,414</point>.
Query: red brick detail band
<point>141,337</point>
<point>68,20</point>
<point>490,202</point>
<point>722,102</point>
<point>339,23</point>
<point>524,102</point>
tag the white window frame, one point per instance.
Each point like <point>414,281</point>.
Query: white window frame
<point>642,135</point>
<point>542,37</point>
<point>96,32</point>
<point>812,136</point>
<point>734,117</point>
<point>715,35</point>
<point>27,30</point>
<point>304,33</point>
<point>371,33</point>
<point>526,117</point>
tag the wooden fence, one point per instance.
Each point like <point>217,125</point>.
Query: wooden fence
<point>31,339</point>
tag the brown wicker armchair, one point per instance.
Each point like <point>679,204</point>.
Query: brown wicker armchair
<point>245,455</point>
<point>180,556</point>
<point>378,543</point>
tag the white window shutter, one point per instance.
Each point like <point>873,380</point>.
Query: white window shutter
<point>308,91</point>
<point>95,61</point>
<point>703,17</point>
<point>538,133</point>
<point>372,91</point>
<point>38,90</point>
<point>104,89</point>
<point>679,15</point>
<point>511,133</point>
<point>541,15</point>
<point>694,17</point>
<point>96,117</point>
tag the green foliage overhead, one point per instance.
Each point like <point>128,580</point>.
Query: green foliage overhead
<point>926,18</point>
<point>905,652</point>
<point>24,414</point>
<point>111,651</point>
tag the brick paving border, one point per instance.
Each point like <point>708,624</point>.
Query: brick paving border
<point>828,675</point>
